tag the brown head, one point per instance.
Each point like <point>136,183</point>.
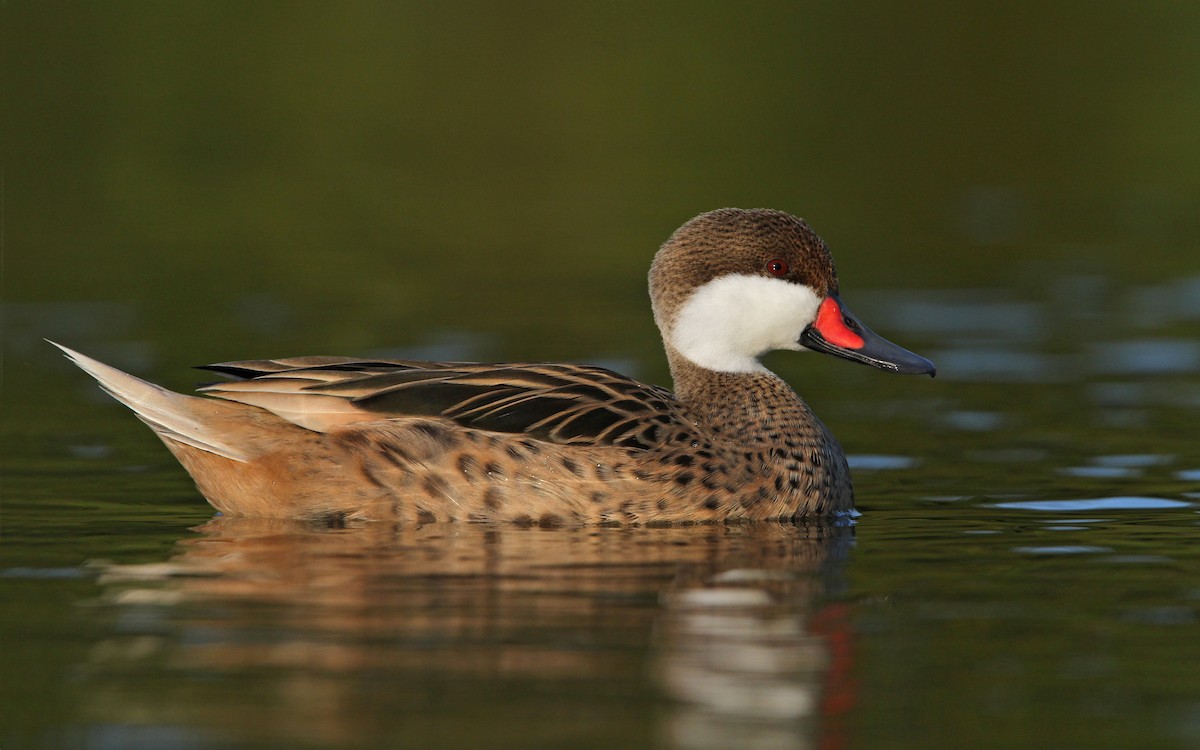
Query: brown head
<point>732,284</point>
<point>737,241</point>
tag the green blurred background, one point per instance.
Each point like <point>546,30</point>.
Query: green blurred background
<point>276,178</point>
<point>1010,188</point>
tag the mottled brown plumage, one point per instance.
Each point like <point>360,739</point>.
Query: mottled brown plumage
<point>316,437</point>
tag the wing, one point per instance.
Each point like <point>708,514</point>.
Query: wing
<point>559,403</point>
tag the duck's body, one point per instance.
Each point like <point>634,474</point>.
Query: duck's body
<point>336,437</point>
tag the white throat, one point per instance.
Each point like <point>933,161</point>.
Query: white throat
<point>731,321</point>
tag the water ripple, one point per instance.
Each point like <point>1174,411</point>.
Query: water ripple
<point>1097,503</point>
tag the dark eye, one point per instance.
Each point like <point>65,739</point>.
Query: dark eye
<point>777,267</point>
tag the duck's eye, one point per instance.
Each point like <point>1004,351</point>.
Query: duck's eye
<point>777,267</point>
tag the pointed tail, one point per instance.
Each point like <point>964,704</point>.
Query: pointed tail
<point>174,416</point>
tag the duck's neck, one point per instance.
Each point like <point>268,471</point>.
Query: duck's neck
<point>745,406</point>
<point>764,431</point>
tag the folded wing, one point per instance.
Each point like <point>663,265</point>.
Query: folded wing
<point>566,404</point>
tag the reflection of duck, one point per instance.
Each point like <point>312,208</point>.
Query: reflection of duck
<point>332,436</point>
<point>267,631</point>
<point>747,669</point>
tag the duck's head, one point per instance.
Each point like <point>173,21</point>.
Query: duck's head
<point>733,284</point>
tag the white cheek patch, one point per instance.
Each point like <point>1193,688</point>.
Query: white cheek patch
<point>728,323</point>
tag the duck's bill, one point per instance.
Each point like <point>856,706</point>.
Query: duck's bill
<point>837,332</point>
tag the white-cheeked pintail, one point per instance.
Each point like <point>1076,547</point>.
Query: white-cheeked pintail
<point>341,438</point>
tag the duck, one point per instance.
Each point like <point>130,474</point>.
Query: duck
<point>337,439</point>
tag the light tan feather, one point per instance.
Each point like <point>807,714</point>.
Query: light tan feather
<point>172,415</point>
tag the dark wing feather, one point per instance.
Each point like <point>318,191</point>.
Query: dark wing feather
<point>253,368</point>
<point>553,402</point>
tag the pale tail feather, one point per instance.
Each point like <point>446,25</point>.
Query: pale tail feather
<point>287,398</point>
<point>169,414</point>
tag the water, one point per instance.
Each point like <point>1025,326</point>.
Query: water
<point>1013,196</point>
<point>1002,626</point>
<point>454,634</point>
